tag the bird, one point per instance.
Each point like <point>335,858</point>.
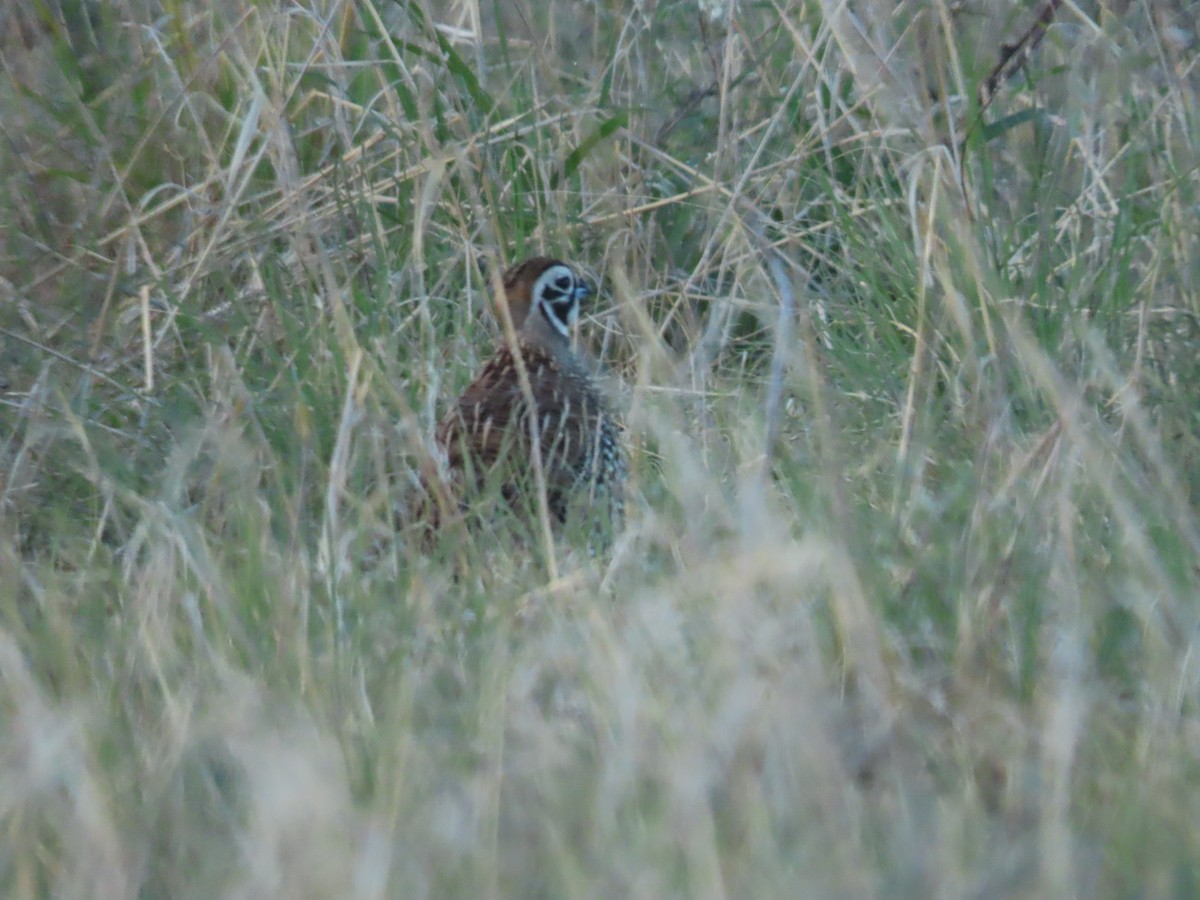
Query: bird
<point>536,402</point>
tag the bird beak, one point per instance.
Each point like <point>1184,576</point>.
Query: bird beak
<point>583,290</point>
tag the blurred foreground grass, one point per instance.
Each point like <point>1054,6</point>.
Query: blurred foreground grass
<point>908,604</point>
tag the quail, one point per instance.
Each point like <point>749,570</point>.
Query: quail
<point>554,410</point>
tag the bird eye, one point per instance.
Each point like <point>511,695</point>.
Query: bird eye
<point>564,283</point>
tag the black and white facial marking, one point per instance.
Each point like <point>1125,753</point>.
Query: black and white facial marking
<point>557,293</point>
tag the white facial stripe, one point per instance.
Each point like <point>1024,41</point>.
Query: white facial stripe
<point>556,293</point>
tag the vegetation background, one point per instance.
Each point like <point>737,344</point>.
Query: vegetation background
<point>908,600</point>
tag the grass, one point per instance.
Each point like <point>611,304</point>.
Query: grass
<point>908,599</point>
